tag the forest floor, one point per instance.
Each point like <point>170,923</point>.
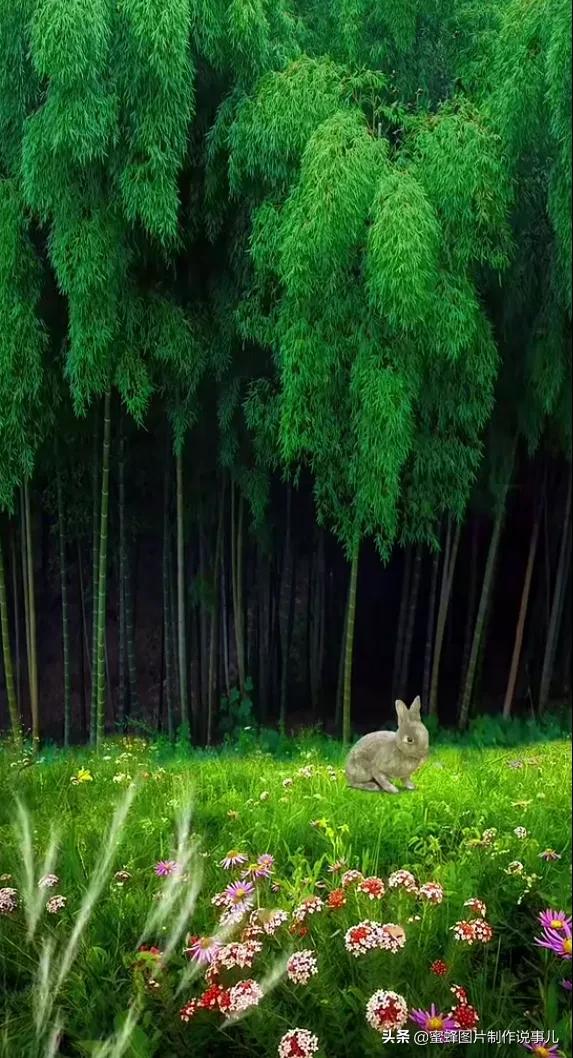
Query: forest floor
<point>133,841</point>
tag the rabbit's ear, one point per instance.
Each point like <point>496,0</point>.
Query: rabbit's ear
<point>415,708</point>
<point>401,710</point>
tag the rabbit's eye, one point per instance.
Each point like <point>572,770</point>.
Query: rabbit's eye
<point>408,738</point>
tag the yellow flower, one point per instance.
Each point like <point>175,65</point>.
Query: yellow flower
<point>83,776</point>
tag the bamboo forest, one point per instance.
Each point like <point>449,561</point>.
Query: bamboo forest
<point>285,461</point>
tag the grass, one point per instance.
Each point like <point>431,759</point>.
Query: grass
<point>99,999</point>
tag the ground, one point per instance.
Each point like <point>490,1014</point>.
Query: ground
<point>77,966</point>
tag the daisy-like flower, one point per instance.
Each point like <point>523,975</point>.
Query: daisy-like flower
<point>520,832</point>
<point>266,861</point>
<point>48,881</point>
<point>372,887</point>
<point>364,937</point>
<point>243,995</point>
<point>477,906</point>
<point>482,931</point>
<point>240,895</point>
<point>351,878</point>
<point>439,967</point>
<point>465,1016</point>
<point>544,1050</point>
<point>555,920</point>
<point>556,941</point>
<point>255,871</point>
<point>165,868</point>
<point>298,1043</point>
<point>234,858</point>
<point>203,950</point>
<point>301,966</point>
<point>189,1010</point>
<point>464,931</point>
<point>8,900</point>
<point>386,1010</point>
<point>336,867</point>
<point>56,904</point>
<point>311,906</point>
<point>515,867</point>
<point>549,855</point>
<point>403,880</point>
<point>336,899</point>
<point>392,937</point>
<point>433,1021</point>
<point>432,892</point>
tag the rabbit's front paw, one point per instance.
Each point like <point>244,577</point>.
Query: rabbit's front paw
<point>409,785</point>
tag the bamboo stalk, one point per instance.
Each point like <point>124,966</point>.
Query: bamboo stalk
<point>33,673</point>
<point>15,719</point>
<point>516,655</point>
<point>181,632</point>
<point>102,576</point>
<point>65,616</point>
<point>349,648</point>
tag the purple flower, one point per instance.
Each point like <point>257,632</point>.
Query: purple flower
<point>555,920</point>
<point>202,949</point>
<point>566,984</point>
<point>557,941</point>
<point>433,1021</point>
<point>240,895</point>
<point>165,868</point>
<point>266,861</point>
<point>543,1050</point>
<point>549,855</point>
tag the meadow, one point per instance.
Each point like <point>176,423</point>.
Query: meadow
<point>141,841</point>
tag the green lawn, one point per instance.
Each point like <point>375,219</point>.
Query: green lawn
<point>247,803</point>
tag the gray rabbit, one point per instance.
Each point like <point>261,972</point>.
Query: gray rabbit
<point>384,755</point>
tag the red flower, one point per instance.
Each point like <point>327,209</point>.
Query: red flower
<point>439,968</point>
<point>465,1015</point>
<point>336,899</point>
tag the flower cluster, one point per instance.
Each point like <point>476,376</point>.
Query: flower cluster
<point>386,1010</point>
<point>298,1043</point>
<point>311,906</point>
<point>403,880</point>
<point>8,900</point>
<point>372,887</point>
<point>432,892</point>
<point>301,967</point>
<point>556,935</point>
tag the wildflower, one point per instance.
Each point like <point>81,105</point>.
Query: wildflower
<point>460,994</point>
<point>56,904</point>
<point>301,967</point>
<point>556,941</point>
<point>275,887</point>
<point>549,855</point>
<point>336,867</point>
<point>165,868</point>
<point>482,931</point>
<point>121,877</point>
<point>219,900</point>
<point>243,995</point>
<point>392,937</point>
<point>432,1021</point>
<point>403,880</point>
<point>239,954</point>
<point>351,878</point>
<point>432,892</point>
<point>520,832</point>
<point>240,895</point>
<point>287,783</point>
<point>202,949</point>
<point>215,998</point>
<point>82,776</point>
<point>464,931</point>
<point>305,773</point>
<point>515,867</point>
<point>555,920</point>
<point>336,899</point>
<point>372,887</point>
<point>311,906</point>
<point>363,938</point>
<point>489,836</point>
<point>477,906</point>
<point>232,814</point>
<point>264,796</point>
<point>48,881</point>
<point>299,930</point>
<point>386,1011</point>
<point>414,918</point>
<point>8,900</point>
<point>566,984</point>
<point>5,877</point>
<point>271,921</point>
<point>234,858</point>
<point>266,861</point>
<point>256,870</point>
<point>439,968</point>
<point>543,1050</point>
<point>465,1016</point>
<point>233,915</point>
<point>298,1043</point>
<point>189,1010</point>
<point>516,764</point>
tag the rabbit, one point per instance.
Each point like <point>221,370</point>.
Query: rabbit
<point>384,755</point>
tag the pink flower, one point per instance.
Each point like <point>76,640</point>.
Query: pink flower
<point>482,931</point>
<point>266,861</point>
<point>432,892</point>
<point>56,904</point>
<point>239,954</point>
<point>202,949</point>
<point>311,906</point>
<point>432,1021</point>
<point>301,967</point>
<point>464,931</point>
<point>364,937</point>
<point>8,900</point>
<point>240,895</point>
<point>556,920</point>
<point>189,1010</point>
<point>477,906</point>
<point>233,858</point>
<point>403,880</point>
<point>243,995</point>
<point>392,937</point>
<point>298,1043</point>
<point>549,855</point>
<point>351,878</point>
<point>373,888</point>
<point>165,868</point>
<point>386,1011</point>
